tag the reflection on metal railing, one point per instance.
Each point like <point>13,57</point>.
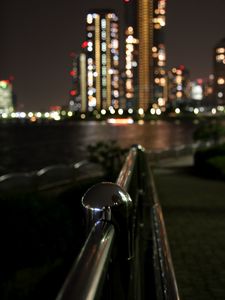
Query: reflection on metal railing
<point>136,261</point>
<point>84,280</point>
<point>49,177</point>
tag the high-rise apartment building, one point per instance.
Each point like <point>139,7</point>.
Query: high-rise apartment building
<point>159,54</point>
<point>102,51</point>
<point>131,55</point>
<point>178,84</point>
<point>219,72</point>
<point>145,22</point>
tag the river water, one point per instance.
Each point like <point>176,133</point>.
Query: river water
<point>31,147</point>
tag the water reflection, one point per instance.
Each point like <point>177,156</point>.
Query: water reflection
<point>25,148</point>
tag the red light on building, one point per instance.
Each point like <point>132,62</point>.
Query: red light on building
<point>126,1</point>
<point>55,108</point>
<point>73,93</point>
<point>72,73</point>
<point>84,44</point>
<point>200,81</point>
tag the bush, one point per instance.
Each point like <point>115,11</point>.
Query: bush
<point>109,155</point>
<point>210,162</point>
<point>212,131</point>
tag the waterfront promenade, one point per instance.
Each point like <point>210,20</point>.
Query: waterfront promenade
<point>194,212</point>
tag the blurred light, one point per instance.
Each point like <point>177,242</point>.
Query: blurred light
<point>140,111</point>
<point>103,111</point>
<point>220,80</point>
<point>33,119</point>
<point>196,111</point>
<point>84,44</point>
<point>22,115</point>
<point>130,110</point>
<point>3,84</point>
<point>152,111</point>
<point>47,114</point>
<point>4,115</point>
<point>112,110</point>
<point>69,114</point>
<point>177,110</point>
<point>38,115</point>
<point>220,108</point>
<point>213,111</point>
<point>30,114</point>
<point>120,111</point>
<point>13,115</point>
<point>57,118</point>
<point>120,121</point>
<point>83,116</point>
<point>72,73</point>
<point>158,111</point>
<point>73,93</point>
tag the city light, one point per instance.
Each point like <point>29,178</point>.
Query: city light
<point>140,111</point>
<point>120,111</point>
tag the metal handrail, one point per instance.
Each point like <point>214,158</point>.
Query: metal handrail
<point>164,270</point>
<point>126,172</point>
<point>168,285</point>
<point>85,278</point>
<point>109,210</point>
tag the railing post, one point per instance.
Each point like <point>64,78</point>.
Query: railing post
<point>109,202</point>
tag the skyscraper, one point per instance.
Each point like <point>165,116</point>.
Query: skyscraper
<point>219,71</point>
<point>102,59</point>
<point>131,55</point>
<point>145,36</point>
<point>145,22</point>
<point>159,54</point>
<point>178,85</point>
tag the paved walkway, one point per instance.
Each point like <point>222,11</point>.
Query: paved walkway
<point>194,212</point>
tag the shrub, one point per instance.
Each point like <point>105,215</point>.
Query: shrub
<point>109,155</point>
<point>210,162</point>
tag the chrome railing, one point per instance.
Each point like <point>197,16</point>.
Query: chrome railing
<point>126,254</point>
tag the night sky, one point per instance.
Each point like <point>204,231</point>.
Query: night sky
<point>37,37</point>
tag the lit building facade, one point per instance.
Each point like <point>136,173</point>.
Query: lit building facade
<point>197,88</point>
<point>219,72</point>
<point>102,52</point>
<point>74,94</point>
<point>178,84</point>
<point>131,55</point>
<point>159,54</point>
<point>6,96</point>
<point>145,52</point>
<point>145,36</point>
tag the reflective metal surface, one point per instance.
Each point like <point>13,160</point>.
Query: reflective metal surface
<point>87,275</point>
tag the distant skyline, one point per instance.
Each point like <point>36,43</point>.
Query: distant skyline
<point>38,36</point>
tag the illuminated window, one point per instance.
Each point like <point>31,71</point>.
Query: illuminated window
<point>179,94</point>
<point>220,50</point>
<point>89,18</point>
<point>220,57</point>
<point>220,81</point>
